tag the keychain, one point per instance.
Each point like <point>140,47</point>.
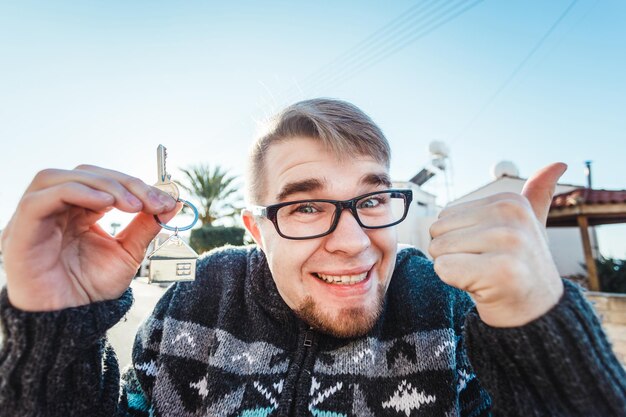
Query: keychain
<point>174,260</point>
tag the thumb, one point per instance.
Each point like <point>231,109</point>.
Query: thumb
<point>136,237</point>
<point>539,189</point>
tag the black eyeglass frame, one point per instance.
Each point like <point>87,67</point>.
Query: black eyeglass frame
<point>270,212</point>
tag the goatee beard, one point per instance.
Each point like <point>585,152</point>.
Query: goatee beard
<point>348,322</point>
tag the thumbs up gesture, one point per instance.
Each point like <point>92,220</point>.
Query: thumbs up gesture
<point>495,248</point>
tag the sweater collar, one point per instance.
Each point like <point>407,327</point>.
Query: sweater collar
<point>262,290</point>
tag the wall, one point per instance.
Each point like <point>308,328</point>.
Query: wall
<point>414,230</point>
<point>612,311</point>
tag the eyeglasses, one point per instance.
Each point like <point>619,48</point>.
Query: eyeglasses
<point>309,219</point>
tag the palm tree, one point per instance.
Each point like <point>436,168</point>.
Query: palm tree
<point>215,190</point>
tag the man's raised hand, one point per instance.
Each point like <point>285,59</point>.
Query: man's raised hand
<point>56,256</point>
<point>495,248</point>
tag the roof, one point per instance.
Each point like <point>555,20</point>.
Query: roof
<point>504,178</point>
<point>599,206</point>
<point>501,184</point>
<point>588,196</point>
<point>173,248</point>
<point>489,184</point>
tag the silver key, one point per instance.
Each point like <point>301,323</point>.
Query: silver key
<point>165,183</point>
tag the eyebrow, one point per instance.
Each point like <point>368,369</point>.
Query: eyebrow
<point>300,187</point>
<point>314,184</point>
<point>377,179</point>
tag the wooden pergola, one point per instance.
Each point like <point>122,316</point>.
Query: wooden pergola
<point>586,207</point>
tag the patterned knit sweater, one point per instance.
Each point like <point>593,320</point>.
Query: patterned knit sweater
<point>227,345</point>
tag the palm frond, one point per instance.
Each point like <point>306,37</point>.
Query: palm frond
<point>216,190</point>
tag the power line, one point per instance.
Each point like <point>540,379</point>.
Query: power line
<point>389,31</point>
<point>405,41</point>
<point>405,29</point>
<point>411,25</point>
<point>517,69</point>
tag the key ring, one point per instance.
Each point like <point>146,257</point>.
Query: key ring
<point>180,229</point>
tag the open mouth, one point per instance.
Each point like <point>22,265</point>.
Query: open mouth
<point>342,279</point>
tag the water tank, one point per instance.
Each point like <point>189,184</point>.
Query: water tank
<point>439,149</point>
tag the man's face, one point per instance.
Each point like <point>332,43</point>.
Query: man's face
<point>298,169</point>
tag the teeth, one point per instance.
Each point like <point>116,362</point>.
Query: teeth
<point>342,279</point>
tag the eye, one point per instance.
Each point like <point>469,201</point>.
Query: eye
<point>369,203</point>
<point>304,208</point>
<point>372,201</point>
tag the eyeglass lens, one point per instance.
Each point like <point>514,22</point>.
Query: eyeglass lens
<point>313,218</point>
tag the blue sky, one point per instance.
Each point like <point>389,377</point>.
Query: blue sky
<point>106,82</point>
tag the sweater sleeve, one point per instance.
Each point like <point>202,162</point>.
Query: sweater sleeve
<point>560,364</point>
<point>474,400</point>
<point>60,363</point>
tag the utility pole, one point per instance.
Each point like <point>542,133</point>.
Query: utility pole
<point>595,247</point>
<point>588,173</point>
<point>114,227</point>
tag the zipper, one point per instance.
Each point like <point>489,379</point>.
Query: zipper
<point>308,337</point>
<point>295,398</point>
<point>303,384</point>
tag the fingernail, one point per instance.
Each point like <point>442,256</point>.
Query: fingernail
<point>133,201</point>
<point>167,200</point>
<point>155,199</point>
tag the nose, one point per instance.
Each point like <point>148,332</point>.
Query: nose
<point>348,237</point>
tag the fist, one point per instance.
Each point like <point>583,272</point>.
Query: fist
<point>496,249</point>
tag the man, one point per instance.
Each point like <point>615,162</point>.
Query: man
<point>323,317</point>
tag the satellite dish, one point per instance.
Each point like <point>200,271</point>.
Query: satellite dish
<point>504,169</point>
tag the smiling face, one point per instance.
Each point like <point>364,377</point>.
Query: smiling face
<point>335,283</point>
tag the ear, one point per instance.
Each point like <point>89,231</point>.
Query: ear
<point>249,221</point>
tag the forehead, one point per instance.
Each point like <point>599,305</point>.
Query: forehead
<point>303,167</point>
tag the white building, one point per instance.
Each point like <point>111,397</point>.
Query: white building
<point>414,230</point>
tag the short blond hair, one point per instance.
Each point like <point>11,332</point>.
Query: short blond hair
<point>341,127</point>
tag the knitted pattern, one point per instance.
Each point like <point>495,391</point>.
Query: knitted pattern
<point>231,346</point>
<point>227,345</point>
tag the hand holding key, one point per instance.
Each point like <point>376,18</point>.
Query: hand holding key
<point>57,256</point>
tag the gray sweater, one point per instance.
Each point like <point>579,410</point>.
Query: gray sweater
<point>227,345</point>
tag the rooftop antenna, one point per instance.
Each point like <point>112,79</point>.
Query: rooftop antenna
<point>440,159</point>
<point>440,162</point>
